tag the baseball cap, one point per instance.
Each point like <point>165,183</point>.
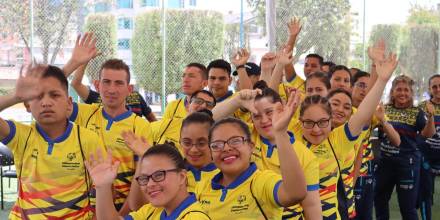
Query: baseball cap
<point>251,69</point>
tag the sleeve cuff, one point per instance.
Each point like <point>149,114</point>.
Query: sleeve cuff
<point>313,187</point>
<point>275,193</point>
<point>348,133</point>
<point>12,130</point>
<point>74,114</point>
<point>293,78</point>
<point>128,217</point>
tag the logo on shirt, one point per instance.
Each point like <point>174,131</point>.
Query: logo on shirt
<point>205,202</point>
<point>240,206</point>
<point>69,164</point>
<point>34,153</point>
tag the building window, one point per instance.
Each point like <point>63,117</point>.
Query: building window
<point>124,44</point>
<point>102,7</point>
<point>125,23</point>
<point>192,2</point>
<point>176,4</point>
<point>125,3</point>
<point>150,3</point>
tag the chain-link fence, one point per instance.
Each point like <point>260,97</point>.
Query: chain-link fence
<point>159,40</point>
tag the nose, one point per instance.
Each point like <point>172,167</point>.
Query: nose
<point>46,101</point>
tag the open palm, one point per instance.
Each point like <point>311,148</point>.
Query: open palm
<point>28,85</point>
<point>283,114</point>
<point>137,144</point>
<point>102,171</point>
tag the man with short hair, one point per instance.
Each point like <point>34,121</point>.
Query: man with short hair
<point>219,79</point>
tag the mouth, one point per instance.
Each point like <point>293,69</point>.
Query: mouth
<point>47,112</point>
<point>338,115</point>
<point>229,159</point>
<point>266,127</point>
<point>194,157</point>
<point>154,193</point>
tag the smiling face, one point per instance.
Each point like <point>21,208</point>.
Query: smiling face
<point>402,95</point>
<point>341,79</point>
<point>341,109</point>
<point>194,141</point>
<point>263,119</point>
<point>163,193</point>
<point>318,116</point>
<point>53,105</point>
<point>434,89</point>
<point>232,161</point>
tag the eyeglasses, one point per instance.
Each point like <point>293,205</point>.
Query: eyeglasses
<point>323,123</point>
<point>233,142</point>
<point>361,85</point>
<point>200,101</point>
<point>157,176</point>
<point>189,144</point>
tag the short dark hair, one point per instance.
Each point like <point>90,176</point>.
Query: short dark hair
<point>329,63</point>
<point>317,56</point>
<point>234,121</point>
<point>166,150</point>
<point>337,68</point>
<point>323,77</point>
<point>221,64</point>
<point>338,91</point>
<point>359,75</point>
<point>433,77</point>
<point>116,64</point>
<point>201,67</point>
<point>58,74</point>
<point>315,100</point>
<point>205,92</point>
<point>266,92</point>
<point>199,118</point>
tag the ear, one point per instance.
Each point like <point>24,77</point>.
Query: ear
<point>27,106</point>
<point>204,83</point>
<point>183,178</point>
<point>130,88</point>
<point>96,85</point>
<point>69,105</point>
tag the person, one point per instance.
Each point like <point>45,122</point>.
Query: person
<point>317,84</point>
<point>332,146</point>
<point>112,117</point>
<point>49,153</point>
<point>340,77</point>
<point>162,178</point>
<point>168,130</point>
<point>253,71</point>
<point>241,190</point>
<point>400,165</point>
<point>194,78</point>
<point>327,66</point>
<point>313,64</point>
<point>266,155</point>
<point>360,87</point>
<point>430,152</point>
<point>135,102</point>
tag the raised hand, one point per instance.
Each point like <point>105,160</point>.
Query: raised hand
<point>294,26</point>
<point>377,52</point>
<point>380,112</point>
<point>268,61</point>
<point>28,84</point>
<point>284,57</point>
<point>247,99</point>
<point>386,68</point>
<point>137,144</point>
<point>430,109</point>
<point>283,114</point>
<point>85,49</point>
<point>102,170</point>
<point>241,57</point>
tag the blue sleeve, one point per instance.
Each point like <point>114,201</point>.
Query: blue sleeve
<point>74,114</point>
<point>12,131</point>
<point>93,97</point>
<point>348,133</point>
<point>421,120</point>
<point>313,187</point>
<point>275,193</point>
<point>128,217</point>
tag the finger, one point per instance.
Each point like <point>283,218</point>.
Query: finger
<point>87,39</point>
<point>78,38</point>
<point>92,160</point>
<point>83,39</point>
<point>93,42</point>
<point>252,109</point>
<point>115,166</point>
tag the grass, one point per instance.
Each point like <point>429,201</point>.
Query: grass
<point>11,196</point>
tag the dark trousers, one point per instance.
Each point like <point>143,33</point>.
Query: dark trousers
<point>426,190</point>
<point>364,195</point>
<point>402,171</point>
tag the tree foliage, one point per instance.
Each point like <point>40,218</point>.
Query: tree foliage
<point>191,36</point>
<point>50,21</point>
<point>326,26</point>
<point>103,25</point>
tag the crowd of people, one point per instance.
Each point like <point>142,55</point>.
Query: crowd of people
<point>279,147</point>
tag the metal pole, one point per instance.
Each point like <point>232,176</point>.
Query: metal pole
<point>364,59</point>
<point>270,24</point>
<point>164,56</point>
<point>241,25</point>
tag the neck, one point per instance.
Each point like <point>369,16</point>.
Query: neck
<point>402,105</point>
<point>356,103</point>
<point>178,199</point>
<point>435,100</point>
<point>113,112</point>
<point>54,130</point>
<point>221,95</point>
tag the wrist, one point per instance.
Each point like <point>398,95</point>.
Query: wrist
<point>240,66</point>
<point>104,186</point>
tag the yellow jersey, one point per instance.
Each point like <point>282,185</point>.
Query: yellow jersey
<point>167,130</point>
<point>188,209</point>
<point>195,176</point>
<point>252,195</point>
<point>266,157</point>
<point>176,109</point>
<point>297,83</point>
<point>109,130</point>
<point>53,182</point>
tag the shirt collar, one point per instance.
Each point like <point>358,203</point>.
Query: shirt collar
<point>198,172</point>
<point>221,99</point>
<point>215,182</point>
<point>120,117</point>
<point>191,199</point>
<point>270,147</point>
<point>59,139</point>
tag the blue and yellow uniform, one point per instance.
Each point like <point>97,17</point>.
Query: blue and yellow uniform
<point>400,165</point>
<point>266,157</point>
<point>252,195</point>
<point>296,83</point>
<point>109,130</point>
<point>331,154</point>
<point>167,130</point>
<point>53,182</point>
<point>195,176</point>
<point>176,109</point>
<point>188,209</point>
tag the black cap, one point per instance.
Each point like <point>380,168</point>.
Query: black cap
<point>251,69</point>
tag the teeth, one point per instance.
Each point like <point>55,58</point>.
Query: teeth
<point>229,158</point>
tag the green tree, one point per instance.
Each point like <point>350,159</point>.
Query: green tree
<point>326,26</point>
<point>191,36</point>
<point>51,20</point>
<point>103,25</point>
<point>390,33</point>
